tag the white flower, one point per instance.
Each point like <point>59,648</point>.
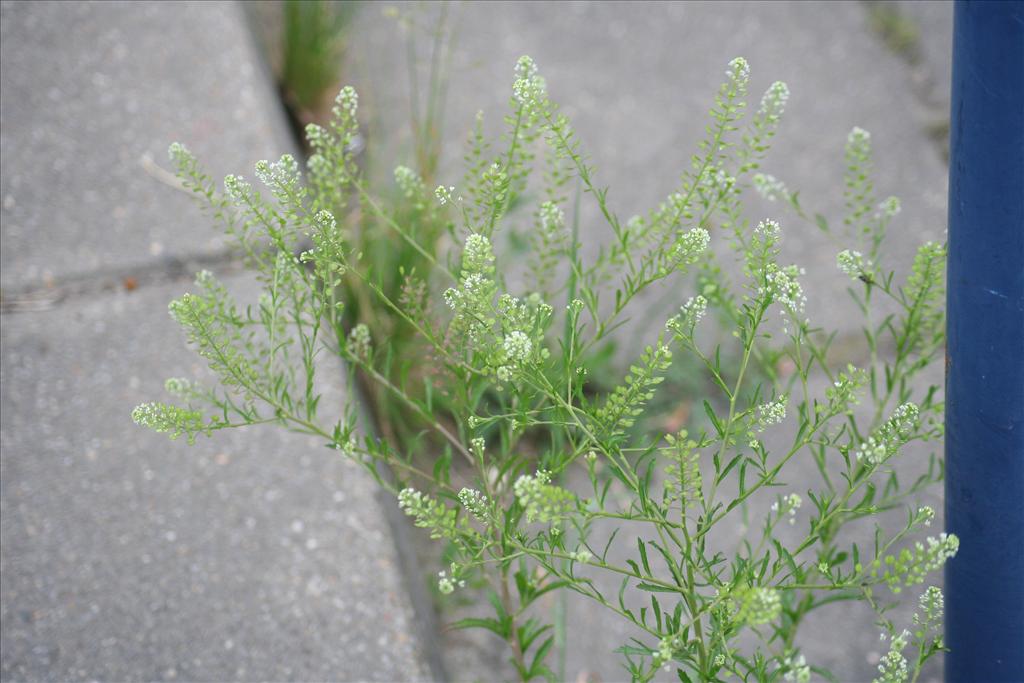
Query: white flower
<point>315,135</point>
<point>904,419</point>
<point>739,71</point>
<point>347,102</point>
<point>358,342</point>
<point>451,298</point>
<point>518,347</point>
<point>769,187</point>
<point>444,194</point>
<point>772,413</point>
<point>893,666</point>
<point>769,230</point>
<point>689,246</point>
<point>773,102</point>
<point>894,432</point>
<point>690,314</point>
<point>583,556</point>
<point>932,603</point>
<point>852,263</point>
<point>889,207</point>
<point>529,88</point>
<point>858,138</point>
<point>552,218</point>
<point>477,256</point>
<point>447,584</point>
<point>695,307</point>
<point>790,504</point>
<point>282,172</point>
<point>474,501</point>
<point>784,287</point>
<point>409,182</point>
<point>798,671</point>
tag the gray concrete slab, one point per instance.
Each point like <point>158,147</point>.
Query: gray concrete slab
<point>89,89</point>
<point>255,554</point>
<point>933,22</point>
<point>637,80</point>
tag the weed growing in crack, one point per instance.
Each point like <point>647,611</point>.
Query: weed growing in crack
<point>549,456</point>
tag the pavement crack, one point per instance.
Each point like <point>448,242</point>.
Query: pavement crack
<point>52,294</point>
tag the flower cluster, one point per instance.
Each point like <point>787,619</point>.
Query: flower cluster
<point>428,513</point>
<point>687,248</point>
<point>583,556</point>
<point>758,605</point>
<point>444,194</point>
<point>783,287</point>
<point>932,604</point>
<point>883,443</point>
<point>409,183</point>
<point>788,504</point>
<point>853,264</point>
<point>690,314</point>
<point>858,143</point>
<point>928,622</point>
<point>172,420</point>
<point>924,290</point>
<point>738,72</point>
<point>893,665</point>
<point>769,187</point>
<point>767,414</point>
<point>473,300</point>
<point>475,502</point>
<point>517,347</point>
<point>528,89</point>
<point>358,342</point>
<point>447,584</point>
<point>282,176</point>
<point>925,515</point>
<point>889,207</point>
<point>329,251</point>
<point>239,190</point>
<point>346,103</point>
<point>844,392</point>
<point>797,670</point>
<point>182,387</point>
<point>542,501</point>
<point>910,567</point>
<point>769,231</point>
<point>773,102</point>
<point>552,218</point>
<point>667,648</point>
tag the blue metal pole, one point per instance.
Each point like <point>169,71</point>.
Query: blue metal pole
<point>985,346</point>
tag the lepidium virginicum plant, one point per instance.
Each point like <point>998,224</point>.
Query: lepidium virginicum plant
<point>516,423</point>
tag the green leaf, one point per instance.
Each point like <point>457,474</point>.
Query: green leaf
<point>492,625</point>
<point>821,222</point>
<point>714,419</point>
<point>643,556</point>
<point>653,588</point>
<point>537,666</point>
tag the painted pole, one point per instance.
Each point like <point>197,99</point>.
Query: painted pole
<point>985,346</point>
